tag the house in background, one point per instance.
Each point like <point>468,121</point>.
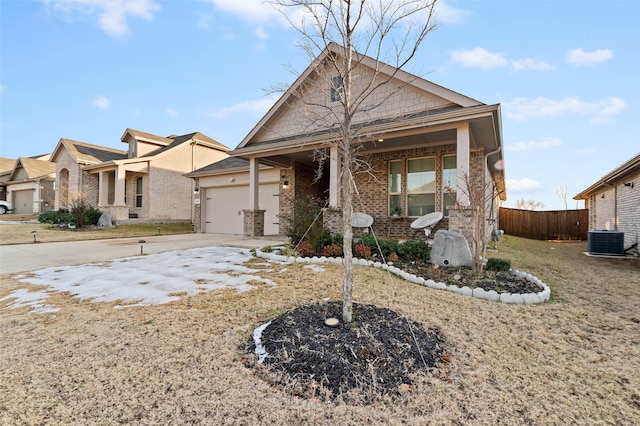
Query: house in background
<point>6,167</point>
<point>421,142</point>
<point>223,195</point>
<point>72,181</point>
<point>30,187</point>
<point>614,201</point>
<point>144,183</point>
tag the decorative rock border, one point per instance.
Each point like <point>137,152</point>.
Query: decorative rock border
<point>527,298</point>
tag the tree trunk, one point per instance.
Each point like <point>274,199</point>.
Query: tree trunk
<point>347,232</point>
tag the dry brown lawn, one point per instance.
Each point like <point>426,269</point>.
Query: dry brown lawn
<point>574,360</point>
<point>21,233</point>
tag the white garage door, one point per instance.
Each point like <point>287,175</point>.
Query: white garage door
<point>23,201</point>
<point>223,209</point>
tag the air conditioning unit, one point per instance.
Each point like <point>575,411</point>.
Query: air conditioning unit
<point>605,242</point>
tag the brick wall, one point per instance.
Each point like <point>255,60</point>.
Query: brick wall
<point>602,209</point>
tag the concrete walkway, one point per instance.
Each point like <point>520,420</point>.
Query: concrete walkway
<point>30,257</point>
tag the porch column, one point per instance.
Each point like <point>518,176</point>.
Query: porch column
<point>254,183</point>
<point>334,177</point>
<point>462,159</point>
<point>102,189</point>
<point>253,216</point>
<point>119,189</point>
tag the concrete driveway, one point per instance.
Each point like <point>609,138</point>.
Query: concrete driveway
<point>29,257</point>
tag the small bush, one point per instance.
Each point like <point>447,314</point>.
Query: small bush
<point>414,250</point>
<point>305,249</point>
<point>496,264</point>
<point>387,245</point>
<point>56,217</point>
<point>332,250</point>
<point>362,251</point>
<point>93,215</point>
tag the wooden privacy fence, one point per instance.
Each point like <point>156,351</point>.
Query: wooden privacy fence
<point>545,225</point>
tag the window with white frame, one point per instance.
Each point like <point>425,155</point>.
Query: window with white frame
<point>395,186</point>
<point>449,183</point>
<point>421,186</point>
<point>139,192</point>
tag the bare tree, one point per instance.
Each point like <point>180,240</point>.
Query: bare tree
<point>529,204</point>
<point>561,192</point>
<point>473,217</point>
<point>344,35</point>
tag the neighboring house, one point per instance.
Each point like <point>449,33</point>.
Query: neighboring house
<point>420,143</point>
<point>6,167</point>
<point>30,187</point>
<point>614,201</point>
<point>145,183</point>
<point>73,182</point>
<point>223,195</point>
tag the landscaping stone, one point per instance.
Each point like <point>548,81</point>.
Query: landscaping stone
<point>450,248</point>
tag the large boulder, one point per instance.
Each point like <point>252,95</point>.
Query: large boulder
<point>450,248</point>
<point>105,221</point>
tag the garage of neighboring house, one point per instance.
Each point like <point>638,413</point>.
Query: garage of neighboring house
<point>223,194</point>
<point>23,202</point>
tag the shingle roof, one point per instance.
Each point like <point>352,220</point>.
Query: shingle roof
<point>85,153</point>
<point>35,168</point>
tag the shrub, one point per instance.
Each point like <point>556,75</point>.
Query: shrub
<point>496,264</point>
<point>93,215</point>
<point>304,221</point>
<point>56,217</point>
<point>414,250</point>
<point>332,250</point>
<point>362,251</point>
<point>393,257</point>
<point>306,249</point>
<point>388,246</point>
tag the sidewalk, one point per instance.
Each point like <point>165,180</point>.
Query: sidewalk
<point>29,257</point>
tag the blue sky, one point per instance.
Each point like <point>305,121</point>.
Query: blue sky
<point>565,72</point>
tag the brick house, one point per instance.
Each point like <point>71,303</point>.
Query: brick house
<point>614,201</point>
<point>72,181</point>
<point>144,183</point>
<point>420,142</point>
<point>30,185</point>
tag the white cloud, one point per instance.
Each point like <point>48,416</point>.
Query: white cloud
<point>522,109</point>
<point>525,185</point>
<point>102,102</point>
<point>579,57</point>
<point>261,33</point>
<point>111,14</point>
<point>250,10</point>
<point>529,64</point>
<point>534,145</point>
<point>260,106</point>
<point>449,14</point>
<point>478,57</point>
<point>172,112</point>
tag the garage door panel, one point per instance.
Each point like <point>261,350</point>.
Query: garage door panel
<point>224,206</point>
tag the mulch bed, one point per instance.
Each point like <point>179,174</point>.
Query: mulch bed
<point>378,356</point>
<point>501,282</point>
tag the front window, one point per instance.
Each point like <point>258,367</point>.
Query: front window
<point>395,187</point>
<point>421,186</point>
<point>139,192</point>
<point>449,183</point>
